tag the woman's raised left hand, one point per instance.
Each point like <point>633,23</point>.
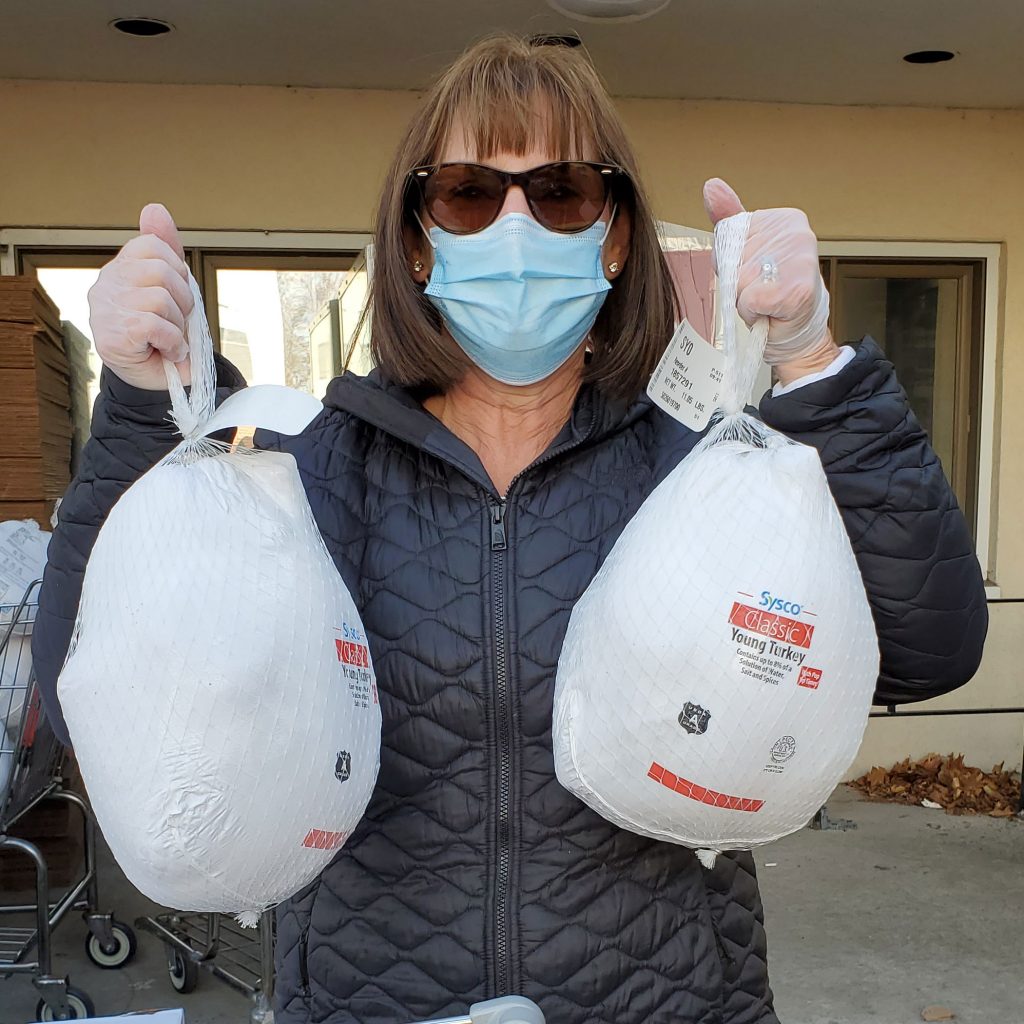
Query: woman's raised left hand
<point>779,278</point>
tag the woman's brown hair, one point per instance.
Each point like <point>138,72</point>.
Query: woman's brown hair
<point>508,94</point>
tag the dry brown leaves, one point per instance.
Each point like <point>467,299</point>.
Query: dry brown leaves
<point>946,781</point>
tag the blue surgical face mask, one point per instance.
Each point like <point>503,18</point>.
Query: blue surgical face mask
<point>518,298</point>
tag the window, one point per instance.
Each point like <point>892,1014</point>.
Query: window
<point>271,314</point>
<point>264,306</point>
<point>928,317</point>
<point>325,347</point>
<point>354,330</point>
<point>67,278</point>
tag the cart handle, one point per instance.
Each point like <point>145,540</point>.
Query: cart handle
<point>507,1010</point>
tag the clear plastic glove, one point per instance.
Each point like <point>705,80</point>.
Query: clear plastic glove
<point>140,302</point>
<point>780,279</point>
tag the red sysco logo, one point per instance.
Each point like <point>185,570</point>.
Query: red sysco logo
<point>775,627</point>
<point>353,654</point>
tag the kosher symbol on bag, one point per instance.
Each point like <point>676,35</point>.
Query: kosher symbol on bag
<point>784,749</point>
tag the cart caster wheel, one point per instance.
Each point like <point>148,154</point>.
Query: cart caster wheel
<point>79,1005</point>
<point>183,972</point>
<point>122,951</point>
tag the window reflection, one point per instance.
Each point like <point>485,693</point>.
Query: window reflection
<point>265,318</point>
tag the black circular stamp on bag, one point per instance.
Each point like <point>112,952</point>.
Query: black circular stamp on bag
<point>784,749</point>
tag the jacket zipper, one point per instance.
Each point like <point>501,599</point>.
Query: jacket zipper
<point>304,961</point>
<point>499,547</point>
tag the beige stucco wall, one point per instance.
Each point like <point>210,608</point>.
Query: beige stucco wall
<point>242,157</point>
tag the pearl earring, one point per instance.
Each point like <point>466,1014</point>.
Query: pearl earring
<point>417,266</point>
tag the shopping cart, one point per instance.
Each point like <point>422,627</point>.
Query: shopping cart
<point>240,957</point>
<point>31,772</point>
<point>244,959</point>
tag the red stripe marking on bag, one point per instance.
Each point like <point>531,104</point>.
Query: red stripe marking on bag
<point>353,654</point>
<point>776,627</point>
<point>701,794</point>
<point>321,839</point>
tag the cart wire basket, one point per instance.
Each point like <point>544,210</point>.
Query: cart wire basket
<point>32,763</point>
<point>244,959</point>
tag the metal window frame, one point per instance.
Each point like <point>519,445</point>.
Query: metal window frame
<point>15,241</point>
<point>991,254</point>
<point>205,251</point>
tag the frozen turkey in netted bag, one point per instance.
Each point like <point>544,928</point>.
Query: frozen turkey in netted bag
<point>717,673</point>
<point>219,690</point>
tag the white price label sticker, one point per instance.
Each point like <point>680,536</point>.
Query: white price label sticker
<point>688,381</point>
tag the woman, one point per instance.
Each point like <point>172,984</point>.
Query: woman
<point>468,491</point>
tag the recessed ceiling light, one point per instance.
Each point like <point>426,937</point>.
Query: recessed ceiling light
<point>928,56</point>
<point>608,10</point>
<point>142,26</point>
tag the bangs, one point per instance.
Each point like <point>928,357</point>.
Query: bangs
<point>516,99</point>
<point>535,120</point>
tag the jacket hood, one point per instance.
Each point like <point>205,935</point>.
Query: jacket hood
<point>399,411</point>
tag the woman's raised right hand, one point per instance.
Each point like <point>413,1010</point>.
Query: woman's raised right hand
<point>140,303</point>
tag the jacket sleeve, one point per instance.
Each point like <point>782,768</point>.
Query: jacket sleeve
<point>911,541</point>
<point>131,432</point>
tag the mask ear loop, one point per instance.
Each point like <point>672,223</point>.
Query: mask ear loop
<point>611,221</point>
<point>423,228</point>
<point>604,237</point>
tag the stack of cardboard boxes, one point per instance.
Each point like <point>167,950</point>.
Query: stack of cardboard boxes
<point>35,403</point>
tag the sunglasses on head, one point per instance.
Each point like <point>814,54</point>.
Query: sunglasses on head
<point>565,196</point>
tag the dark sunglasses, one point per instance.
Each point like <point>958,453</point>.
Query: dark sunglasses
<point>566,196</point>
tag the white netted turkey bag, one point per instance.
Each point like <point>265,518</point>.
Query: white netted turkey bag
<point>219,690</point>
<point>717,673</point>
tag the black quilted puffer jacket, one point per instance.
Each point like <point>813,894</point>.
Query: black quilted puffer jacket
<point>474,873</point>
